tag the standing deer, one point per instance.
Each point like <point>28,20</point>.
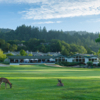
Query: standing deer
<point>6,81</point>
<point>60,83</point>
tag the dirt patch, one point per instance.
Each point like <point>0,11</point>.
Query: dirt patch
<point>53,65</point>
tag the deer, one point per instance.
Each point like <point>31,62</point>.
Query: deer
<point>6,81</point>
<point>60,83</point>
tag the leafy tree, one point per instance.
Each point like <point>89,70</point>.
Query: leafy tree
<point>13,47</point>
<point>6,47</point>
<point>42,48</point>
<point>9,54</point>
<point>55,45</point>
<point>30,54</point>
<point>2,42</point>
<point>58,46</point>
<point>82,50</point>
<point>74,48</point>
<point>23,53</point>
<point>49,55</point>
<point>98,39</point>
<point>65,52</point>
<point>2,56</point>
<point>32,43</point>
<point>89,51</point>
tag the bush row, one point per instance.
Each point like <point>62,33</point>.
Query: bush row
<point>69,63</point>
<point>90,63</point>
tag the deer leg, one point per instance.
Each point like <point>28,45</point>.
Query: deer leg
<point>5,85</point>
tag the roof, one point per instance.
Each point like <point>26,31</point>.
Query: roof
<point>31,57</point>
<point>48,57</point>
<point>34,53</point>
<point>83,55</point>
<point>14,53</point>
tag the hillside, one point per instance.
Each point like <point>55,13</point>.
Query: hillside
<point>27,32</point>
<point>5,30</point>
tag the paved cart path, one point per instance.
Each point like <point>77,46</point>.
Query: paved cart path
<point>4,65</point>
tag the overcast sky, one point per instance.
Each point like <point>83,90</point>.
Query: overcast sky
<point>68,15</point>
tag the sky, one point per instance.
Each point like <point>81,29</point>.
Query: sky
<point>66,15</point>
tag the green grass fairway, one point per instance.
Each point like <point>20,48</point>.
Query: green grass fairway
<point>39,82</point>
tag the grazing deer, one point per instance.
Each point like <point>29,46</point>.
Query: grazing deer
<point>6,81</point>
<point>60,83</point>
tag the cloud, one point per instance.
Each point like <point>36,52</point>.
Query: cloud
<point>50,9</point>
<point>47,22</point>
<point>63,9</point>
<point>58,21</point>
<point>23,1</point>
<point>93,20</point>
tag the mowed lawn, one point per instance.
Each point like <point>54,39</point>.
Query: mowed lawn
<point>39,82</point>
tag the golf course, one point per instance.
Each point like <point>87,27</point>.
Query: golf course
<point>39,82</point>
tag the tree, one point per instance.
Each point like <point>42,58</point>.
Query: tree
<point>23,53</point>
<point>65,52</point>
<point>98,39</point>
<point>59,46</point>
<point>55,45</point>
<point>2,56</point>
<point>32,44</point>
<point>42,48</point>
<point>82,50</point>
<point>9,54</point>
<point>44,30</point>
<point>89,51</point>
<point>2,42</point>
<point>74,48</point>
<point>6,47</point>
<point>13,47</point>
<point>30,54</point>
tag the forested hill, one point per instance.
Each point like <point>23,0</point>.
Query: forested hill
<point>79,32</point>
<point>4,30</point>
<point>27,32</point>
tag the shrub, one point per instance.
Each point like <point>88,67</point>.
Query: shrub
<point>90,63</point>
<point>99,64</point>
<point>6,62</point>
<point>30,54</point>
<point>69,63</point>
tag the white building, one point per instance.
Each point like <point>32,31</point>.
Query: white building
<point>82,58</point>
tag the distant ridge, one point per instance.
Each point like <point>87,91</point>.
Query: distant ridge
<point>79,32</point>
<point>4,30</point>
